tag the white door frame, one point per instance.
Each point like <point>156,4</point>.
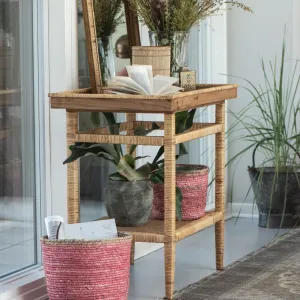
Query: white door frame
<point>63,75</point>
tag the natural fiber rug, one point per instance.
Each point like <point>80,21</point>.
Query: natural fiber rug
<point>271,273</point>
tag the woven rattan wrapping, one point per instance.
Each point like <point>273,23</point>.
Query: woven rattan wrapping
<point>85,270</point>
<point>193,181</point>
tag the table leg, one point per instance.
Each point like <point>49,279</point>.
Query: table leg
<point>169,204</point>
<point>130,117</point>
<point>73,171</point>
<point>132,252</point>
<point>220,186</point>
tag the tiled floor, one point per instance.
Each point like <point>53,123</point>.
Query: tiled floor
<point>195,257</point>
<point>16,246</point>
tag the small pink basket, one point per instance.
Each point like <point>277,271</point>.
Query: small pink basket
<point>193,182</point>
<point>85,270</point>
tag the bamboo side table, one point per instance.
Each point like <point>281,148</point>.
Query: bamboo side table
<point>168,231</point>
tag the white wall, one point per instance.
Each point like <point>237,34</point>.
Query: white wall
<point>251,36</point>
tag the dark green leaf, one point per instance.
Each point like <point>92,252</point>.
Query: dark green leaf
<point>181,120</point>
<point>190,120</point>
<point>110,118</point>
<point>82,149</point>
<point>159,154</point>
<point>141,157</point>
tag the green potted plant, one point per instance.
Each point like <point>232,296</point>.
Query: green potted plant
<point>129,195</point>
<point>273,131</point>
<point>169,22</point>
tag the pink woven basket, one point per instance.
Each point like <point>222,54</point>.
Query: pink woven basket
<point>86,270</point>
<point>193,182</point>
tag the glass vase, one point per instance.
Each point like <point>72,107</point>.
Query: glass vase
<point>107,61</point>
<point>178,42</point>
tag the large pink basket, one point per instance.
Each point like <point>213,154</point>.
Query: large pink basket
<point>86,270</point>
<point>193,182</point>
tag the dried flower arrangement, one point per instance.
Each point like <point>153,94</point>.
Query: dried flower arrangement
<point>109,14</point>
<point>178,15</point>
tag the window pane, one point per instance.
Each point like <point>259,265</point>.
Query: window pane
<point>17,175</point>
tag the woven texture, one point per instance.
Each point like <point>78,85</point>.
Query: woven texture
<point>193,181</point>
<point>79,270</point>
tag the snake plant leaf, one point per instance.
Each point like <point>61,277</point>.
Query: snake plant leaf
<point>95,118</point>
<point>126,170</point>
<point>79,150</point>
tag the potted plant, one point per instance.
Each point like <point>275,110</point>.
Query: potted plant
<point>129,195</point>
<point>169,22</point>
<point>273,131</point>
<point>191,180</point>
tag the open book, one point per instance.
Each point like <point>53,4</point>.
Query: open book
<point>140,81</point>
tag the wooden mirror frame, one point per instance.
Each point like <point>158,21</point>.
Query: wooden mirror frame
<point>91,39</point>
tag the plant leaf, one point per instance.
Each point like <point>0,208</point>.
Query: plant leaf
<point>126,170</point>
<point>117,176</point>
<point>181,120</point>
<point>141,131</point>
<point>144,171</point>
<point>130,160</point>
<point>79,150</point>
<point>190,119</point>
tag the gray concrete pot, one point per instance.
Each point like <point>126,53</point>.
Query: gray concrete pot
<point>273,211</point>
<point>130,203</point>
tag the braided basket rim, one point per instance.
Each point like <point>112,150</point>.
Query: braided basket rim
<point>191,169</point>
<point>122,237</point>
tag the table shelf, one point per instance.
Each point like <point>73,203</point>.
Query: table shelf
<point>153,231</point>
<point>83,101</point>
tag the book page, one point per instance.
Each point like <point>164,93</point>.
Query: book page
<point>98,230</point>
<point>162,83</point>
<point>140,75</point>
<point>126,82</point>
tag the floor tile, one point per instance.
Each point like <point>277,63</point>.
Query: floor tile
<point>195,257</point>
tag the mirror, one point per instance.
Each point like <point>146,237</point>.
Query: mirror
<point>111,29</point>
<point>93,171</point>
